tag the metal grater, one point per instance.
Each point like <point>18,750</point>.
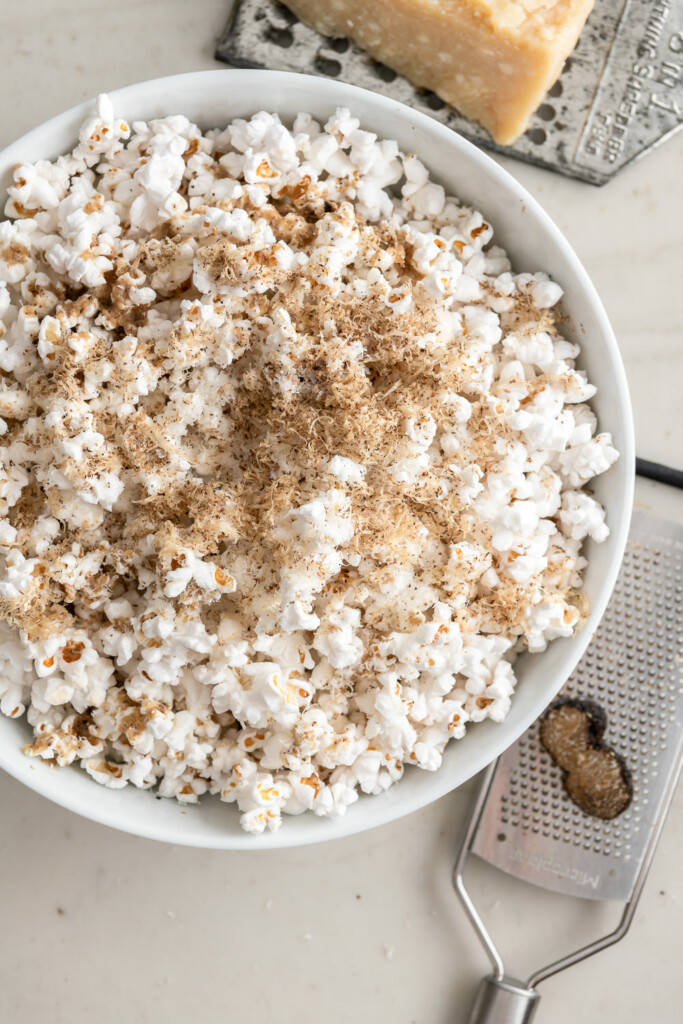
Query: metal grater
<point>620,93</point>
<point>524,822</point>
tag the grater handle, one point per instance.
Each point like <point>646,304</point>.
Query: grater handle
<point>504,1001</point>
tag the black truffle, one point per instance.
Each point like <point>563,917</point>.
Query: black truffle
<point>596,778</point>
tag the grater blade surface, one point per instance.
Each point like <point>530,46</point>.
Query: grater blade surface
<point>633,668</point>
<point>619,95</point>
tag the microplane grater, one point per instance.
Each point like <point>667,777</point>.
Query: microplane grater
<point>525,823</point>
<point>619,95</point>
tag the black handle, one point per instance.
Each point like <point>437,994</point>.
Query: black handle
<point>662,474</point>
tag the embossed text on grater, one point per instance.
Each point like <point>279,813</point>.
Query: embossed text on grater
<point>633,669</point>
<point>619,95</point>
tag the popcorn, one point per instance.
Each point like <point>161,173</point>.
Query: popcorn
<point>583,461</point>
<point>291,462</point>
<point>582,516</point>
<point>346,470</point>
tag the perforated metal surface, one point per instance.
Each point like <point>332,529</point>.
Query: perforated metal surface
<point>634,670</point>
<point>620,93</point>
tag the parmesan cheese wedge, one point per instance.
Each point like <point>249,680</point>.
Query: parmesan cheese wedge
<point>493,60</point>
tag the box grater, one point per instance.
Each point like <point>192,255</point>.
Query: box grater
<point>524,822</point>
<point>619,95</point>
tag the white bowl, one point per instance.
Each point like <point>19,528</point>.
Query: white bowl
<point>213,98</point>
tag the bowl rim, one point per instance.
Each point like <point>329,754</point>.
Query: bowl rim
<point>16,764</point>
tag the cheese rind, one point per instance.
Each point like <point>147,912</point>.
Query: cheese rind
<point>493,60</point>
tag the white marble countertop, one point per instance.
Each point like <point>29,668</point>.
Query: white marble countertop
<point>100,925</point>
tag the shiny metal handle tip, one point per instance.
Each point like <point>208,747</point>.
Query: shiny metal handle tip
<point>504,1001</point>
